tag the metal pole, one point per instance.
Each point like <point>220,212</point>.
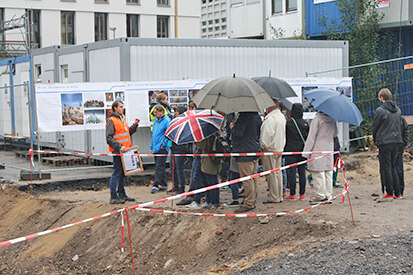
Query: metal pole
<point>30,117</point>
<point>176,18</point>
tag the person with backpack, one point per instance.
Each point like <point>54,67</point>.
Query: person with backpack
<point>209,173</point>
<point>273,140</point>
<point>296,134</point>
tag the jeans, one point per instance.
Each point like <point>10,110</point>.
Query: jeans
<point>234,187</point>
<point>117,180</point>
<point>291,173</point>
<point>179,171</point>
<point>284,173</point>
<point>160,170</point>
<point>400,172</point>
<point>213,195</point>
<point>388,174</point>
<point>196,178</point>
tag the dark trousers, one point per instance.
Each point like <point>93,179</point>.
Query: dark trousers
<point>291,173</point>
<point>160,170</point>
<point>213,195</point>
<point>234,187</point>
<point>388,174</point>
<point>179,171</point>
<point>400,172</point>
<point>117,180</point>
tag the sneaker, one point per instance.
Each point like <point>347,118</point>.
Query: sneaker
<point>338,185</point>
<point>302,197</point>
<point>184,201</point>
<point>126,198</point>
<point>243,209</point>
<point>154,190</point>
<point>290,197</point>
<point>193,205</point>
<point>398,197</point>
<point>206,205</point>
<point>117,201</point>
<point>386,197</point>
<point>234,203</point>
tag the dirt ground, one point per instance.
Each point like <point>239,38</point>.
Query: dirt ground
<point>179,244</point>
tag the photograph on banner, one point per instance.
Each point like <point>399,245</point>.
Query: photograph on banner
<point>109,97</point>
<point>192,93</point>
<point>95,116</point>
<point>132,164</point>
<point>178,98</point>
<point>72,110</point>
<point>120,96</point>
<point>93,100</point>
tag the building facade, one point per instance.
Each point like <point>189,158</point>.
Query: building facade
<point>214,19</point>
<point>75,22</point>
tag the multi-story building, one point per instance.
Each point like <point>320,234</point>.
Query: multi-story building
<point>214,18</point>
<point>74,22</point>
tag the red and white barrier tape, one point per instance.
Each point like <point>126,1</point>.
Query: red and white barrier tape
<point>204,189</point>
<point>28,237</point>
<point>242,215</point>
<point>190,155</point>
<point>17,240</point>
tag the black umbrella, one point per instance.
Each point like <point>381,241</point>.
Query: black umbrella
<point>276,88</point>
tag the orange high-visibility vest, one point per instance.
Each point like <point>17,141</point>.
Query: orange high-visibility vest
<point>121,132</point>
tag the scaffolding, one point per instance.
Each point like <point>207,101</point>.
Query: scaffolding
<point>14,48</point>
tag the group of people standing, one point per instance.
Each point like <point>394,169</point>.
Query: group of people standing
<point>248,132</point>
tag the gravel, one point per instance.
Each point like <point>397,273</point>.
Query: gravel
<point>384,255</point>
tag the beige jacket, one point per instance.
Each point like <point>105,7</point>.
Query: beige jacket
<point>272,137</point>
<point>323,129</point>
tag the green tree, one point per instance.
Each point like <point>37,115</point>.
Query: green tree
<point>358,23</point>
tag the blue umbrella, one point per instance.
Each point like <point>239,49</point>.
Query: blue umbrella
<point>193,126</point>
<point>335,104</point>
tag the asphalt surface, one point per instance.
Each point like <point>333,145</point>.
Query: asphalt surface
<point>383,255</point>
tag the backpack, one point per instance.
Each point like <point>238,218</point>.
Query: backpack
<point>219,145</point>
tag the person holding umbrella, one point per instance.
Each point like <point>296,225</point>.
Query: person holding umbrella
<point>246,139</point>
<point>323,129</point>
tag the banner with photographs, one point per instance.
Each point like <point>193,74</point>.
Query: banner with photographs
<point>87,106</point>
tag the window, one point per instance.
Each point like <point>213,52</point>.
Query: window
<point>64,74</point>
<point>252,1</point>
<point>102,1</point>
<point>1,22</point>
<point>277,6</point>
<point>68,27</point>
<point>34,20</point>
<point>291,5</point>
<point>38,72</point>
<point>162,2</point>
<point>162,23</point>
<point>101,29</point>
<point>236,2</point>
<point>132,25</point>
<point>132,1</point>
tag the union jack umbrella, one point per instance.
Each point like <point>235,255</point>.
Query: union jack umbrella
<point>193,126</point>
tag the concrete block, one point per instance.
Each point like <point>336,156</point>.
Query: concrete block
<point>24,175</point>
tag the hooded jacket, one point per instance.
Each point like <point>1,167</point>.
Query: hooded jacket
<point>387,124</point>
<point>158,134</point>
<point>294,141</point>
<point>323,129</point>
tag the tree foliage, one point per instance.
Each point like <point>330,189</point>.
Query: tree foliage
<point>358,23</point>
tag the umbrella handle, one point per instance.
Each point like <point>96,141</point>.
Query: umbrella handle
<point>216,102</point>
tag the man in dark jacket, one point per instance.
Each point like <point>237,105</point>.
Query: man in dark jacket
<point>246,139</point>
<point>118,137</point>
<point>296,134</point>
<point>387,135</point>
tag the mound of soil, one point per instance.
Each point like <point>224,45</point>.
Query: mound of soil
<point>181,244</point>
